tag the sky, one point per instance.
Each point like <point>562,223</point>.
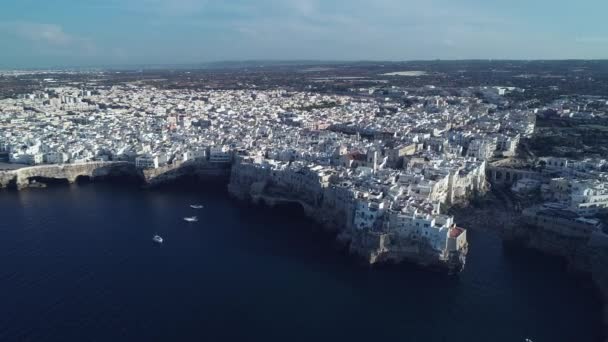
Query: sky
<point>45,33</point>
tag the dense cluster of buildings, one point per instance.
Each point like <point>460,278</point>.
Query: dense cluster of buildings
<point>391,167</point>
<point>574,192</point>
<point>388,166</point>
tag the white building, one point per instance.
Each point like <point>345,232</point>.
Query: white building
<point>367,213</point>
<point>481,149</point>
<point>220,154</point>
<point>26,158</point>
<point>147,161</point>
<point>412,224</point>
<point>195,154</point>
<point>56,157</point>
<point>588,197</point>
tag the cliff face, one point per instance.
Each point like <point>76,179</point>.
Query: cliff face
<point>202,170</point>
<point>583,255</point>
<point>253,184</point>
<point>377,247</point>
<point>588,255</point>
<point>372,247</point>
<point>7,179</point>
<point>21,178</point>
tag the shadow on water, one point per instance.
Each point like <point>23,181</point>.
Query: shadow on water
<point>216,187</point>
<point>83,180</point>
<point>516,255</point>
<point>124,180</point>
<point>48,181</point>
<point>309,234</point>
<point>250,270</point>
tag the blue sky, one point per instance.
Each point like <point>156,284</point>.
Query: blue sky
<point>106,32</point>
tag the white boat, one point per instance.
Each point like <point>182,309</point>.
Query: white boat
<point>196,206</point>
<point>157,239</point>
<point>191,219</point>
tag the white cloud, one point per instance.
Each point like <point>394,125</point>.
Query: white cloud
<point>169,30</point>
<point>35,32</point>
<point>48,37</point>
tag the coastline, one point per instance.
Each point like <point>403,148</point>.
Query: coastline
<point>369,246</point>
<point>586,258</point>
<point>238,240</point>
<point>582,257</point>
<point>321,204</point>
<point>25,177</point>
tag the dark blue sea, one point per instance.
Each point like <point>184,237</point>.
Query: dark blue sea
<point>77,263</point>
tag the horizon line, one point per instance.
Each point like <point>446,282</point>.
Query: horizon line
<point>293,62</point>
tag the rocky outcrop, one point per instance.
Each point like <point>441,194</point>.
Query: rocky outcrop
<point>320,205</point>
<point>382,247</point>
<point>23,177</point>
<point>370,246</point>
<point>7,179</point>
<point>200,169</point>
<point>588,255</point>
<point>27,176</point>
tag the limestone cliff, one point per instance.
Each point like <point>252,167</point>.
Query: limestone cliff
<point>200,169</point>
<point>252,184</point>
<point>582,255</point>
<point>372,247</point>
<point>587,255</point>
<point>21,178</point>
<point>383,247</point>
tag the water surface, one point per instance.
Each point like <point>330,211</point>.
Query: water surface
<point>77,263</point>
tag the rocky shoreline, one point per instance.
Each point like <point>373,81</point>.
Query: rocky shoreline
<point>588,257</point>
<point>34,176</point>
<point>582,256</point>
<point>369,246</point>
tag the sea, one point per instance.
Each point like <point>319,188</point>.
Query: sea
<point>77,263</point>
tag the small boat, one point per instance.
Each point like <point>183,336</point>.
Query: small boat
<point>196,206</point>
<point>191,219</point>
<point>157,239</point>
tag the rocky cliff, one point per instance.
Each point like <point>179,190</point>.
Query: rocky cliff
<point>370,246</point>
<point>582,255</point>
<point>383,247</point>
<point>23,177</point>
<point>200,169</point>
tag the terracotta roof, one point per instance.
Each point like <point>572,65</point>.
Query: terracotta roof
<point>455,232</point>
<point>356,156</point>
